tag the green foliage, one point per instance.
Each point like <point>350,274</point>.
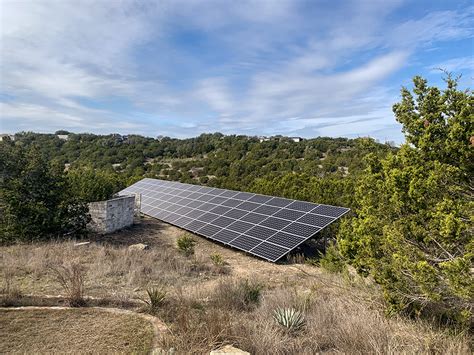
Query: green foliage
<point>91,185</point>
<point>289,318</point>
<point>241,295</point>
<point>35,198</point>
<point>156,298</point>
<point>414,209</point>
<point>186,244</point>
<point>236,162</point>
<point>217,259</point>
<point>332,260</point>
<point>251,292</point>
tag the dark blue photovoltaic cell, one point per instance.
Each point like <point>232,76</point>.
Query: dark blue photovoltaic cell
<point>265,226</point>
<point>278,202</point>
<point>248,206</point>
<point>287,240</point>
<point>316,220</point>
<point>261,232</point>
<point>260,198</point>
<point>254,218</point>
<point>240,226</point>
<point>222,221</point>
<point>269,251</point>
<point>225,236</point>
<point>208,217</point>
<point>245,243</point>
<point>275,223</point>
<point>220,209</point>
<point>209,230</point>
<point>331,211</point>
<point>235,213</point>
<point>266,210</point>
<point>301,206</point>
<point>231,203</point>
<point>218,200</point>
<point>288,214</point>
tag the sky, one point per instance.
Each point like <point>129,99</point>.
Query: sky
<point>182,68</point>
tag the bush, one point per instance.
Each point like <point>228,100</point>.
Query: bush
<point>186,244</point>
<point>251,292</point>
<point>219,266</point>
<point>332,260</point>
<point>217,259</point>
<point>241,295</point>
<point>10,294</point>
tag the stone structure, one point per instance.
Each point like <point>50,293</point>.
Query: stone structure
<point>111,215</point>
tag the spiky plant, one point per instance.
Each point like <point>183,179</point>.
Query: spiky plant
<point>289,318</point>
<point>156,297</point>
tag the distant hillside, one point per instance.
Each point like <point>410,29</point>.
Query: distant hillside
<point>239,162</point>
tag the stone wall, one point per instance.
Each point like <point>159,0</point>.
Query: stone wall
<point>111,215</point>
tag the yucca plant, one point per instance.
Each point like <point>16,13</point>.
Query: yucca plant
<point>289,318</point>
<point>156,297</point>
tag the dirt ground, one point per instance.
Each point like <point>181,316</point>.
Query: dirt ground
<point>73,331</point>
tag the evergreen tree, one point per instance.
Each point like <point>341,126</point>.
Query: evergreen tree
<point>35,198</point>
<point>414,209</point>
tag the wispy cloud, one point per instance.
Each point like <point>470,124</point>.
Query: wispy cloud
<point>185,67</point>
<point>454,65</point>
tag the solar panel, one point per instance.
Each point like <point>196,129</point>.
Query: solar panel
<point>265,226</point>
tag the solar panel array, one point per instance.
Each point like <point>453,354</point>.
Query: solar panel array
<point>265,226</point>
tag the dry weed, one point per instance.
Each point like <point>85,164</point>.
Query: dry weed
<point>71,276</point>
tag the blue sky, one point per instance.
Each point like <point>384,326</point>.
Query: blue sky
<point>181,68</point>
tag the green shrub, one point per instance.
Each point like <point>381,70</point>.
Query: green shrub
<point>186,244</point>
<point>251,292</point>
<point>241,295</point>
<point>332,260</point>
<point>217,259</point>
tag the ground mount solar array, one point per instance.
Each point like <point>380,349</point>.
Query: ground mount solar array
<point>266,226</point>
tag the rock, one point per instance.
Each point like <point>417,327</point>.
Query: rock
<point>139,246</point>
<point>81,244</point>
<point>228,349</point>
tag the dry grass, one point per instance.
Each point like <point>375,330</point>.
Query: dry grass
<point>207,302</point>
<point>339,318</point>
<point>70,276</point>
<point>73,331</point>
<point>108,269</point>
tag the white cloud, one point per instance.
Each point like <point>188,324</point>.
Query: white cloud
<point>284,67</point>
<point>455,65</point>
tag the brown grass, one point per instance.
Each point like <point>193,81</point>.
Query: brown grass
<point>340,318</point>
<point>206,307</point>
<point>73,331</point>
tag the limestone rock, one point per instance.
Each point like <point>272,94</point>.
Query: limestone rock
<point>229,349</point>
<point>139,246</point>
